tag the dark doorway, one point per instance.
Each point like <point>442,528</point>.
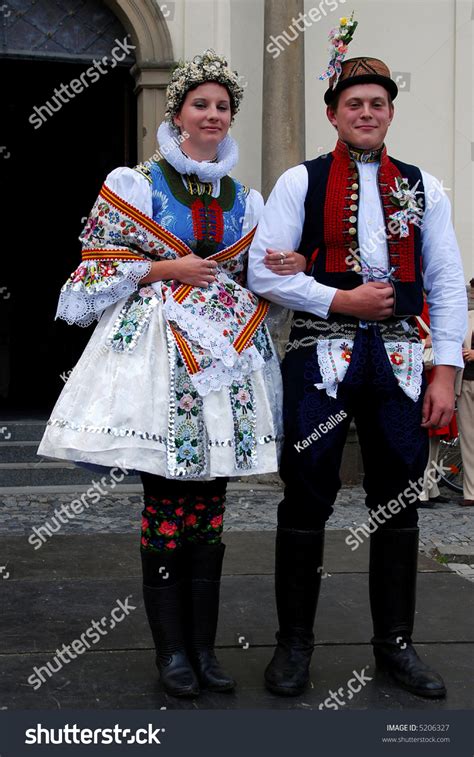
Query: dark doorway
<point>50,178</point>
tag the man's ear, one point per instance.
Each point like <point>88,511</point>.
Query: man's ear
<point>331,114</point>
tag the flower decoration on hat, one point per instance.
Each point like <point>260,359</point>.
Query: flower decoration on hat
<point>339,41</point>
<point>208,67</point>
<point>409,211</point>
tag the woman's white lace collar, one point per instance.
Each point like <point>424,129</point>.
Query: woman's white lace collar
<point>227,156</point>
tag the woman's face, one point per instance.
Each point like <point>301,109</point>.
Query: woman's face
<point>205,115</point>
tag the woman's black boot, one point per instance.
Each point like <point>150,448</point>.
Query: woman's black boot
<point>205,569</point>
<point>163,593</point>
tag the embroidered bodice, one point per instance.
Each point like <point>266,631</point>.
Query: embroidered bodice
<point>205,223</point>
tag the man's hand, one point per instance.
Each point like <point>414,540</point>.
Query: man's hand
<point>373,301</point>
<point>284,262</point>
<point>438,405</point>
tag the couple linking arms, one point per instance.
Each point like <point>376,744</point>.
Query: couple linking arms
<point>181,383</point>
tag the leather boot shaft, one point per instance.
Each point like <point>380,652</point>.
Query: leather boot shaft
<point>298,569</point>
<point>164,598</point>
<point>299,558</point>
<point>392,588</point>
<point>392,581</point>
<point>205,570</point>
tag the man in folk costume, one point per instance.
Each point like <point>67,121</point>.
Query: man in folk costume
<point>375,232</point>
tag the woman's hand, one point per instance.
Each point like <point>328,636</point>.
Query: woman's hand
<point>284,263</point>
<point>191,269</point>
<point>427,343</point>
<point>468,356</point>
<point>196,271</point>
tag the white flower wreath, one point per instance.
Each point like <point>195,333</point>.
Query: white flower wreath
<point>202,68</point>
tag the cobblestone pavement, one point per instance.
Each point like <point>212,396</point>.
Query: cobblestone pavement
<point>248,508</point>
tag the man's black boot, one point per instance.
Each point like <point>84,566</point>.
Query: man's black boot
<point>205,568</point>
<point>163,593</point>
<point>298,568</point>
<point>392,587</point>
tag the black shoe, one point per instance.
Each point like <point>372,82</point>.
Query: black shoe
<point>164,604</point>
<point>209,672</point>
<point>288,672</point>
<point>440,498</point>
<point>298,571</point>
<point>392,584</point>
<point>401,661</point>
<point>177,675</point>
<point>205,567</point>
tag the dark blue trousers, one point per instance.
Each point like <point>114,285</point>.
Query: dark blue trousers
<point>394,446</point>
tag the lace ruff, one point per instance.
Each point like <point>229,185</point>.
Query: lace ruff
<point>227,156</point>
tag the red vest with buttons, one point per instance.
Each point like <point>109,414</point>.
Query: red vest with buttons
<point>330,228</point>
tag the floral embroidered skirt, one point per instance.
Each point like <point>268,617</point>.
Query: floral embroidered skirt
<point>131,403</point>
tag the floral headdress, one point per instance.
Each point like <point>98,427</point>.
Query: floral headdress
<point>339,40</point>
<point>202,68</point>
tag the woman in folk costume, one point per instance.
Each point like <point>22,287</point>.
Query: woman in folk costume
<point>180,380</point>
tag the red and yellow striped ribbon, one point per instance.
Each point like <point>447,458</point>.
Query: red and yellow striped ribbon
<point>248,331</point>
<point>143,220</point>
<point>99,254</point>
<point>234,249</point>
<point>181,249</point>
<point>186,354</point>
<point>180,294</point>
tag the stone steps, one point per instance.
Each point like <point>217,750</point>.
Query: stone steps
<point>48,474</point>
<point>19,452</point>
<point>21,431</point>
<point>21,469</point>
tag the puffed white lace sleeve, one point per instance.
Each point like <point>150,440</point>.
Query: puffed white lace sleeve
<point>108,272</point>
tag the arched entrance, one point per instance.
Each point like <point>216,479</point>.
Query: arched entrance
<point>148,30</point>
<point>82,93</point>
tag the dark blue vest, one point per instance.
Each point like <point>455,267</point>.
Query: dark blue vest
<point>330,228</point>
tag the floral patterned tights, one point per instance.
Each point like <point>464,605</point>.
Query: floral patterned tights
<point>178,511</point>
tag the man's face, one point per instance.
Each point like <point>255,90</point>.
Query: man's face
<point>362,116</point>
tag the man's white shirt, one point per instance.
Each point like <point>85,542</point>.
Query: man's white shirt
<point>280,228</point>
